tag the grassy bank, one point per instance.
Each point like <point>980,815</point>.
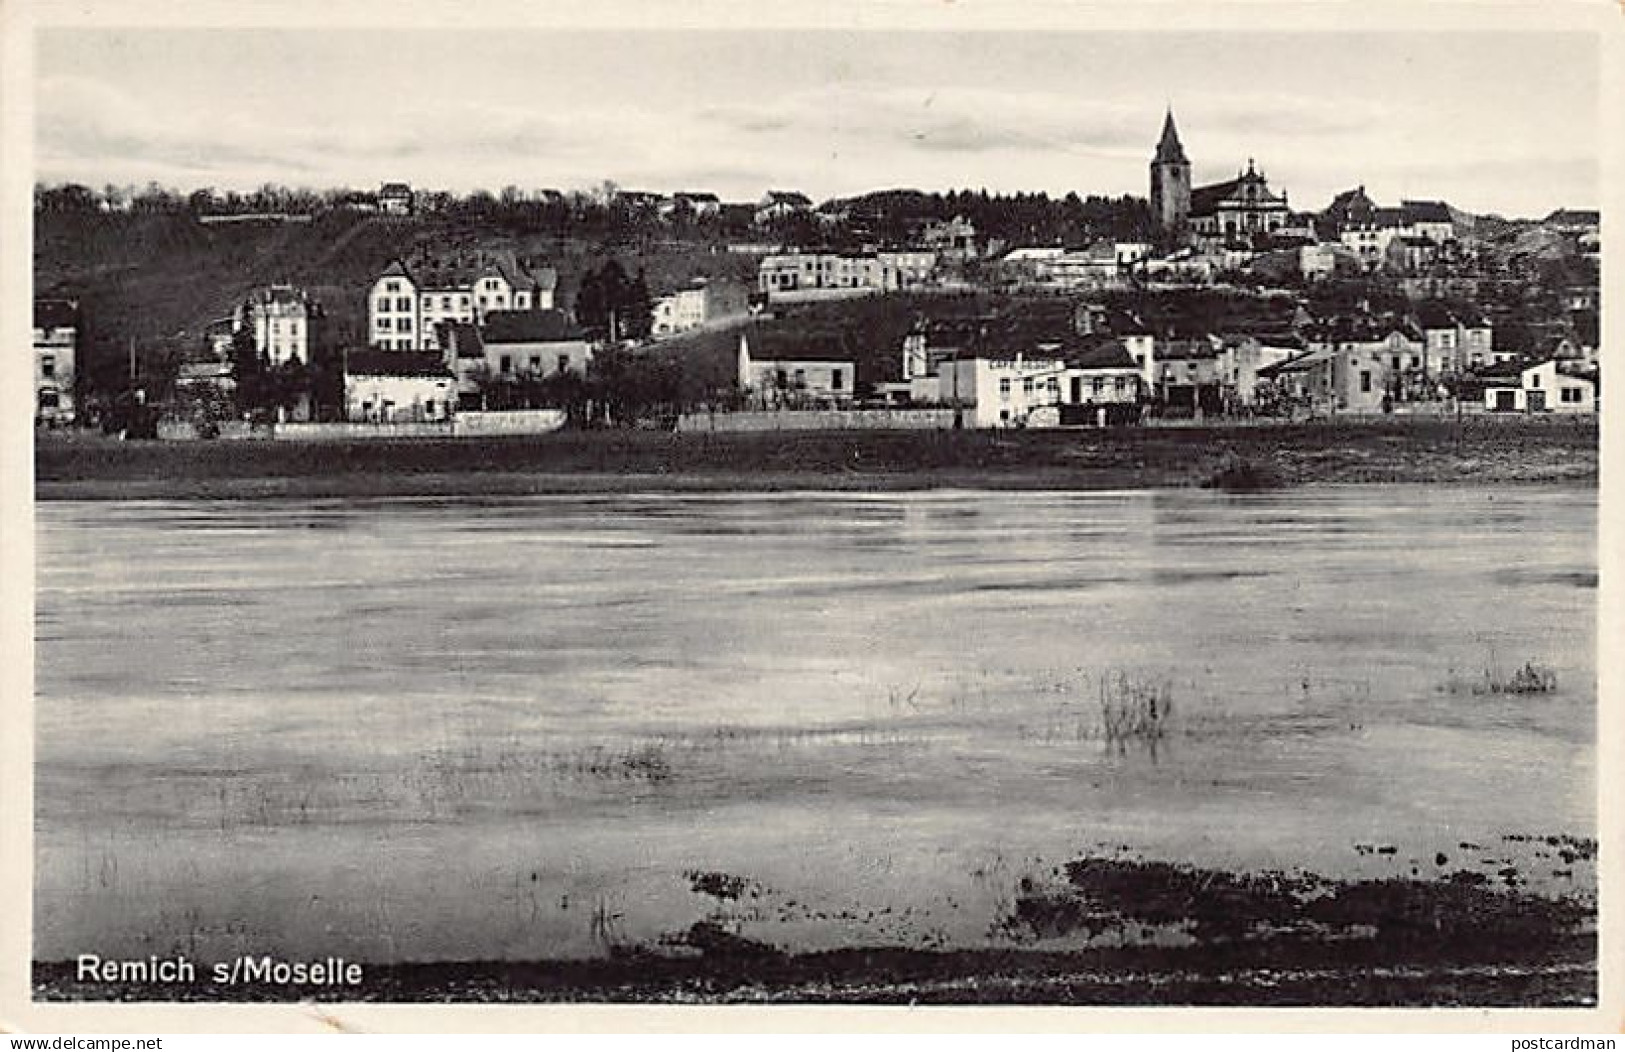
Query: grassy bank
<point>1475,451</point>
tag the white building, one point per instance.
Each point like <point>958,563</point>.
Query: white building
<point>1001,391</point>
<point>391,387</point>
<point>279,318</point>
<point>56,342</point>
<point>696,304</point>
<point>806,274</point>
<point>406,304</point>
<point>1455,344</point>
<point>1558,386</point>
<point>1103,263</point>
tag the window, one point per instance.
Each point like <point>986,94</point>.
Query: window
<point>1004,387</point>
<point>392,286</point>
<point>53,400</point>
<point>383,304</point>
<point>1572,394</point>
<point>47,366</point>
<point>383,324</point>
<point>1534,381</point>
<point>465,301</point>
<point>1027,386</point>
<point>1098,385</point>
<point>406,325</point>
<point>403,303</point>
<point>1394,361</point>
<point>564,363</point>
<point>1416,361</point>
<point>445,303</point>
<point>507,363</point>
<point>1365,380</point>
<point>836,380</point>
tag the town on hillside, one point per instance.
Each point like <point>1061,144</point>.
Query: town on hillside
<point>407,311</point>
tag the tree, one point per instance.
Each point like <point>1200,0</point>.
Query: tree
<point>248,371</point>
<point>638,309</point>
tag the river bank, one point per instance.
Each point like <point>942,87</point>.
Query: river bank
<point>1477,451</point>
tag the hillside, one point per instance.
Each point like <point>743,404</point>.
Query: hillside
<point>159,279</point>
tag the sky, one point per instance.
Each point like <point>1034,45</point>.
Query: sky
<point>1491,122</point>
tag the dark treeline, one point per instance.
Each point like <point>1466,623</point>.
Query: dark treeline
<point>881,219</point>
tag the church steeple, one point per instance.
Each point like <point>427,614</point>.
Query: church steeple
<point>1170,182</point>
<point>1169,150</point>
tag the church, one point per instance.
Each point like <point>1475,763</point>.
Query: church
<point>1242,211</point>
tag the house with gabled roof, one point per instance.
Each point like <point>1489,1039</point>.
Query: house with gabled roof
<point>780,368</point>
<point>395,199</point>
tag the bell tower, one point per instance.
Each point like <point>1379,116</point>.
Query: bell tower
<point>1170,182</point>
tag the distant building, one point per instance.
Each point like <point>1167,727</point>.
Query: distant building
<point>56,347</point>
<point>395,199</point>
<point>640,200</point>
<point>701,302</point>
<point>781,204</point>
<point>406,304</point>
<point>1574,221</point>
<point>1102,263</point>
<point>806,274</point>
<point>279,317</point>
<point>953,239</point>
<point>389,387</point>
<point>694,203</point>
<point>1432,220</point>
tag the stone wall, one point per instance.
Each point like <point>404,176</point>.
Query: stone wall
<point>820,420</point>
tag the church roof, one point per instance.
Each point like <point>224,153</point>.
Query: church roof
<point>1169,150</point>
<point>1205,199</point>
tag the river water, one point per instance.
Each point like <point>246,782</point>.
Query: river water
<point>525,727</point>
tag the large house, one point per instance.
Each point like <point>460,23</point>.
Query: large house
<point>407,303</point>
<point>279,317</point>
<point>56,343</point>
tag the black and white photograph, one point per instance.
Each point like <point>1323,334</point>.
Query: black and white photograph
<point>906,511</point>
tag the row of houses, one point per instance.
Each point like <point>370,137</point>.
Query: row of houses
<point>800,276</point>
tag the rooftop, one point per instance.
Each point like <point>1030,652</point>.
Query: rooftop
<point>530,326</point>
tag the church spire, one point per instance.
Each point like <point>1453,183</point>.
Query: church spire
<point>1169,150</point>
